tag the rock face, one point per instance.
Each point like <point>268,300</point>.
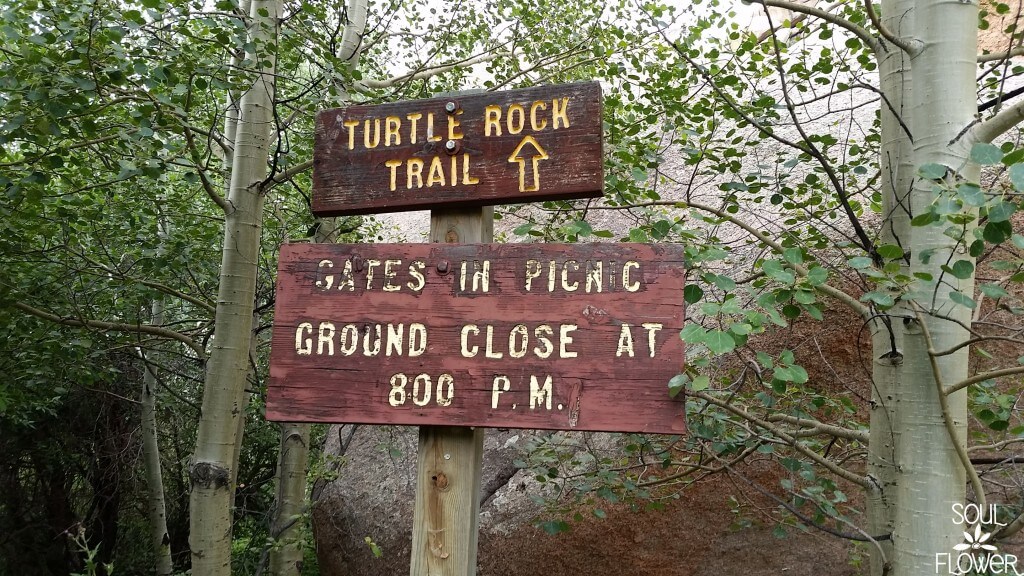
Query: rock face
<point>374,494</point>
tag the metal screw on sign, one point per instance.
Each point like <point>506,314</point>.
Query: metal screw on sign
<point>442,267</point>
<point>452,147</point>
<point>451,107</point>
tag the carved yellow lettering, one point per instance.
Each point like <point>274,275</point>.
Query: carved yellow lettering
<point>394,339</point>
<point>351,125</point>
<point>349,340</point>
<point>518,341</point>
<point>540,395</point>
<point>627,284</point>
<point>625,341</point>
<point>417,339</point>
<point>514,124</point>
<point>652,329</point>
<point>468,352</point>
<point>416,271</point>
<point>371,139</point>
<point>466,178</point>
<point>431,137</point>
<point>565,276</point>
<point>413,119</point>
<point>371,347</point>
<point>536,125</point>
<point>595,275</point>
<point>325,337</point>
<point>492,120</point>
<point>389,274</point>
<point>532,271</point>
<point>489,345</point>
<point>392,136</point>
<point>453,123</point>
<point>413,171</point>
<point>560,113</point>
<point>543,333</point>
<point>499,385</point>
<point>304,343</point>
<point>564,340</point>
<point>436,173</point>
<point>393,165</point>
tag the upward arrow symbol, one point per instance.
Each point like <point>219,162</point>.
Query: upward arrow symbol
<point>538,155</point>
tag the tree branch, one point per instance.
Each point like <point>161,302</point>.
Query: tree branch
<point>788,439</point>
<point>961,450</point>
<point>999,124</point>
<point>1001,55</point>
<point>981,378</point>
<point>433,70</point>
<point>843,297</point>
<point>900,43</point>
<point>821,427</point>
<point>114,326</point>
<point>829,17</point>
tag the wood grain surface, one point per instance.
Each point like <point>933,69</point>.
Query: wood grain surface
<point>515,146</point>
<point>570,337</point>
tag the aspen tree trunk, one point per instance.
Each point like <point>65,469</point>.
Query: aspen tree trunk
<point>930,475</point>
<point>897,178</point>
<point>155,507</point>
<point>293,458</point>
<point>286,555</point>
<point>224,388</point>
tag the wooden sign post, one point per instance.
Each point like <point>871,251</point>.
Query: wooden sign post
<point>461,334</point>
<point>450,458</point>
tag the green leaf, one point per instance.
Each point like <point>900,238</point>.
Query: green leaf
<point>817,276</point>
<point>1001,211</point>
<point>962,300</point>
<point>774,269</point>
<point>999,425</point>
<point>676,384</point>
<point>793,255</point>
<point>984,153</point>
<point>972,195</point>
<point>997,232</point>
<point>880,298</point>
<point>961,269</point>
<point>719,342</point>
<point>693,334</point>
<point>1016,174</point>
<point>692,293</point>
<point>523,229</point>
<point>859,262</point>
<point>993,291</point>
<point>890,251</point>
<point>700,383</point>
<point>932,171</point>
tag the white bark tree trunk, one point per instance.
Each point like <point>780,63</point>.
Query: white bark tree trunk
<point>155,507</point>
<point>897,177</point>
<point>930,475</point>
<point>224,388</point>
<point>286,557</point>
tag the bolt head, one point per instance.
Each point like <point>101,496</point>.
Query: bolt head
<point>450,145</point>
<point>450,107</point>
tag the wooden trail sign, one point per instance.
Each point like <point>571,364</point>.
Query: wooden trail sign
<point>569,337</point>
<point>509,147</point>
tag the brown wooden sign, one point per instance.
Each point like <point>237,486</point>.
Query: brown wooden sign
<point>568,337</point>
<point>509,147</point>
